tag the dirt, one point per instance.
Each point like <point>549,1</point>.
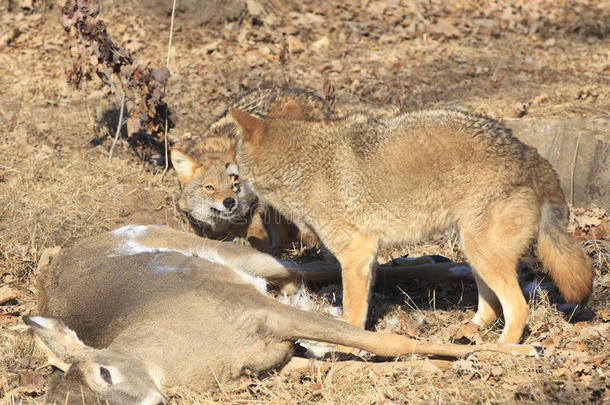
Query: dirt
<point>506,59</point>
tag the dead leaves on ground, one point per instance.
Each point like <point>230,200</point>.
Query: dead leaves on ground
<point>10,307</point>
<point>8,293</point>
<point>586,224</point>
<point>31,383</point>
<point>522,109</point>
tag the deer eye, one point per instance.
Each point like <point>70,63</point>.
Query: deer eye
<point>209,187</point>
<point>105,374</point>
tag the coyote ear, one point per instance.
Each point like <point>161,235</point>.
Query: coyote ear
<point>251,126</point>
<point>291,109</point>
<point>184,164</point>
<point>59,342</point>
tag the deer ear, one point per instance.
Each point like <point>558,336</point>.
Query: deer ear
<point>291,109</point>
<point>59,342</point>
<point>184,164</point>
<point>251,126</point>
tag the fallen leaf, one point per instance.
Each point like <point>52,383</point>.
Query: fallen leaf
<point>467,330</point>
<point>446,27</point>
<point>540,98</point>
<point>161,75</point>
<point>254,8</point>
<point>320,44</point>
<point>428,367</point>
<point>12,310</point>
<point>31,382</point>
<point>600,231</point>
<point>548,342</point>
<point>211,46</point>
<point>496,370</point>
<point>603,315</point>
<point>586,220</point>
<point>8,293</point>
<point>377,7</point>
<point>468,367</point>
<point>295,45</point>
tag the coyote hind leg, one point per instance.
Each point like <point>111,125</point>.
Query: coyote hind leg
<point>489,306</point>
<point>493,245</point>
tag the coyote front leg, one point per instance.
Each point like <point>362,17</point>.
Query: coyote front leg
<point>357,257</point>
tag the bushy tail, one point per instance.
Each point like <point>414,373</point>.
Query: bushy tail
<point>568,266</point>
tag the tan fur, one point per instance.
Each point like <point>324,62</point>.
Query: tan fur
<point>206,158</point>
<point>156,308</point>
<point>243,223</point>
<point>365,181</point>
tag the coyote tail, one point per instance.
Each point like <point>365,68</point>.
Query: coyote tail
<point>568,266</point>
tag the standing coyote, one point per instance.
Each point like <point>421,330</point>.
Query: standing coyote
<point>364,181</point>
<point>217,204</point>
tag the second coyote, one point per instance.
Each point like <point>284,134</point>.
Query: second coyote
<point>365,181</point>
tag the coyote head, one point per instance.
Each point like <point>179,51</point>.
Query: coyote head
<point>212,193</point>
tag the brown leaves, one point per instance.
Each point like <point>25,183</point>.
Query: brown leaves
<point>446,27</point>
<point>603,315</point>
<point>589,224</point>
<point>10,309</point>
<point>31,383</point>
<point>94,51</point>
<point>74,12</point>
<point>254,8</point>
<point>522,109</point>
<point>468,331</point>
<point>470,367</point>
<point>161,75</point>
<point>8,293</point>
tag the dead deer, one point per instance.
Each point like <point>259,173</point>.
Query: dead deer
<point>129,313</point>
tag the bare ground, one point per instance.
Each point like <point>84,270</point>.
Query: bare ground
<point>490,57</point>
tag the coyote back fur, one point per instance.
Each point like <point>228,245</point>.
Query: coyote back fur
<point>365,181</point>
<point>212,196</point>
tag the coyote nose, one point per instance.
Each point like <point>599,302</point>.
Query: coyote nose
<point>229,202</point>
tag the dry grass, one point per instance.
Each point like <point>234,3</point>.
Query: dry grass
<point>55,186</point>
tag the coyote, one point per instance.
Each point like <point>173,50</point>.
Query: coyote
<point>364,181</point>
<point>217,204</point>
<point>129,313</point>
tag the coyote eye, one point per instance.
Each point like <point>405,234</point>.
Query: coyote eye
<point>209,187</point>
<point>105,374</point>
<point>236,187</point>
